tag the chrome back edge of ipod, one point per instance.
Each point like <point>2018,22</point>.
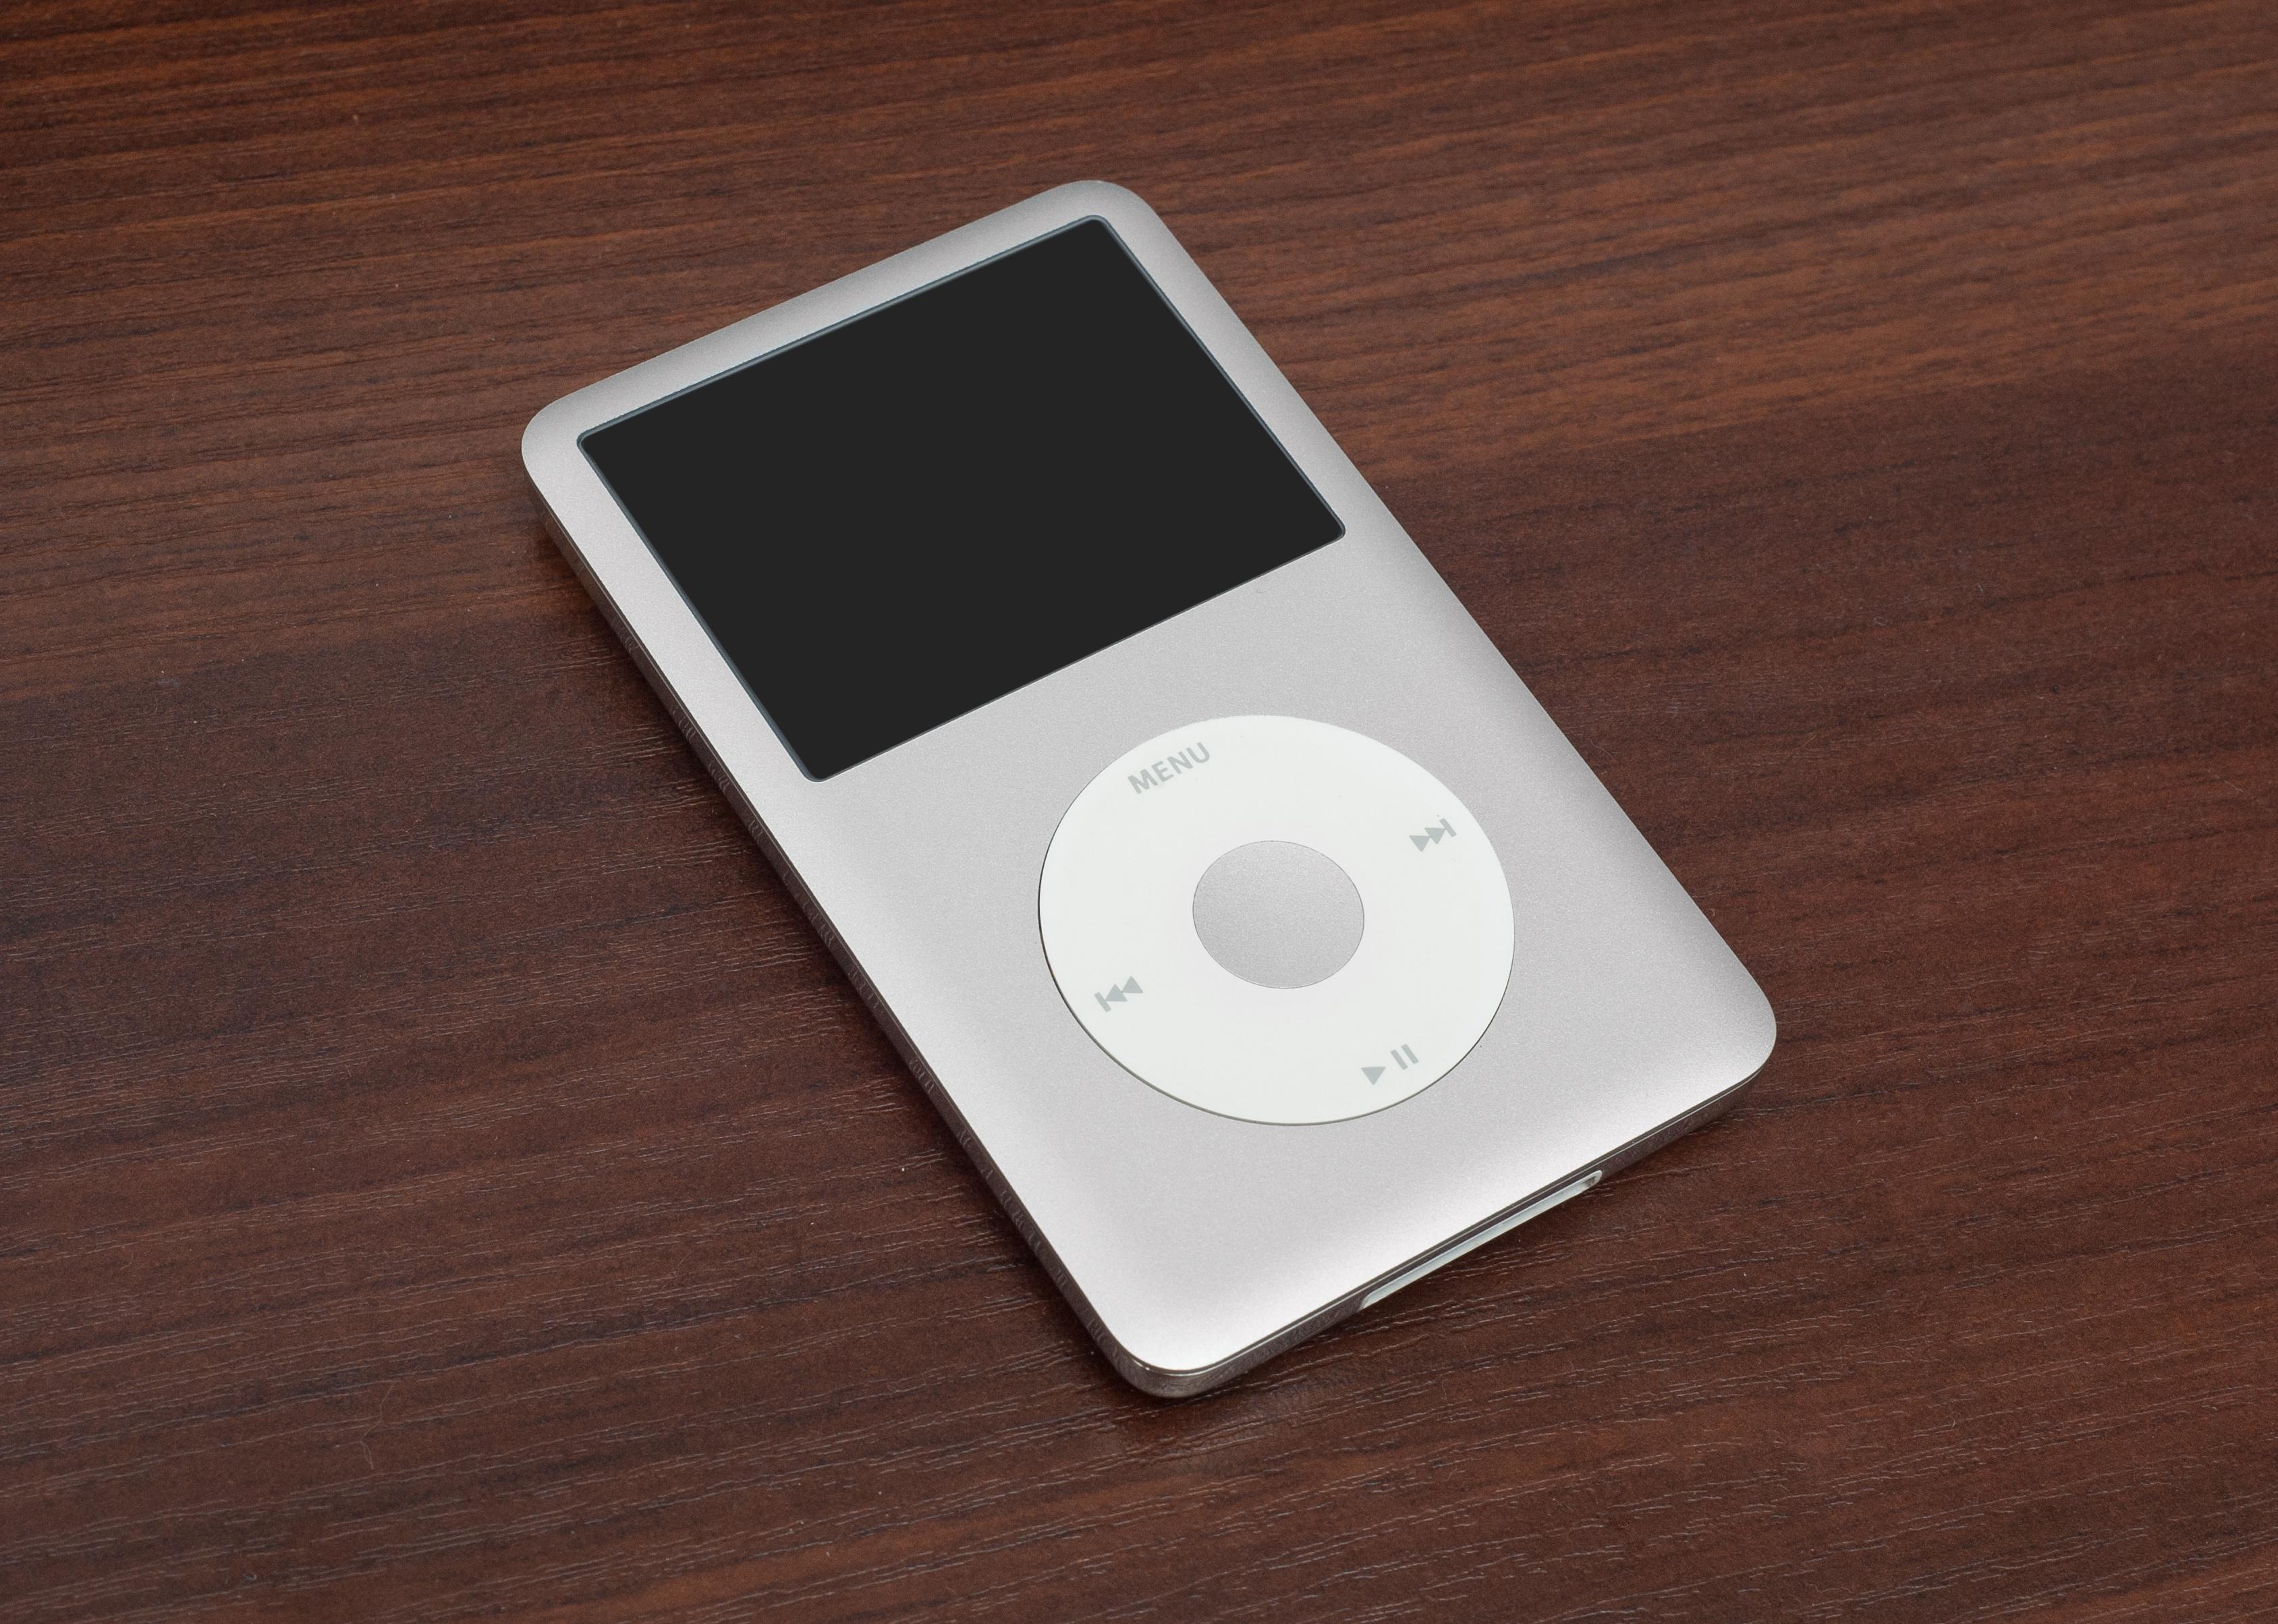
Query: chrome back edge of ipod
<point>1263,957</point>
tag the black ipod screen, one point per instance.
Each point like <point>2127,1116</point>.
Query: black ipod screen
<point>901,519</point>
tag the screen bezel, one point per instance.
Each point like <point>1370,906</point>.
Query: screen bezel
<point>799,760</point>
<point>670,642</point>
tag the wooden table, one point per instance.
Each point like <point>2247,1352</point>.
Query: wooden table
<point>441,1176</point>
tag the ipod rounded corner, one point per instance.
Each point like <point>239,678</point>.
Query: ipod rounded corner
<point>1188,1373</point>
<point>1758,1036</point>
<point>1108,199</point>
<point>551,428</point>
<point>1162,1382</point>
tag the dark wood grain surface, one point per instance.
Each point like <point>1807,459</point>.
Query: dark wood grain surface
<point>441,1176</point>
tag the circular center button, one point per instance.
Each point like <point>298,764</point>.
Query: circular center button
<point>1278,914</point>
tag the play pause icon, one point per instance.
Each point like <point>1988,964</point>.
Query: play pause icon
<point>1403,1057</point>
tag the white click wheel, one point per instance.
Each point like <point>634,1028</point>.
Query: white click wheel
<point>1276,920</point>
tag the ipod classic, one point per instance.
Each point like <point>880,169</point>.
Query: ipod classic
<point>1261,938</point>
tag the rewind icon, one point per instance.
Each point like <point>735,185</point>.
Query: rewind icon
<point>1116,994</point>
<point>1434,836</point>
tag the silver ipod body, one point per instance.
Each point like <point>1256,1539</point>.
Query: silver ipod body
<point>1194,1244</point>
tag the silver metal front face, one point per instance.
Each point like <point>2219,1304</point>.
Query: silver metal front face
<point>1187,1238</point>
